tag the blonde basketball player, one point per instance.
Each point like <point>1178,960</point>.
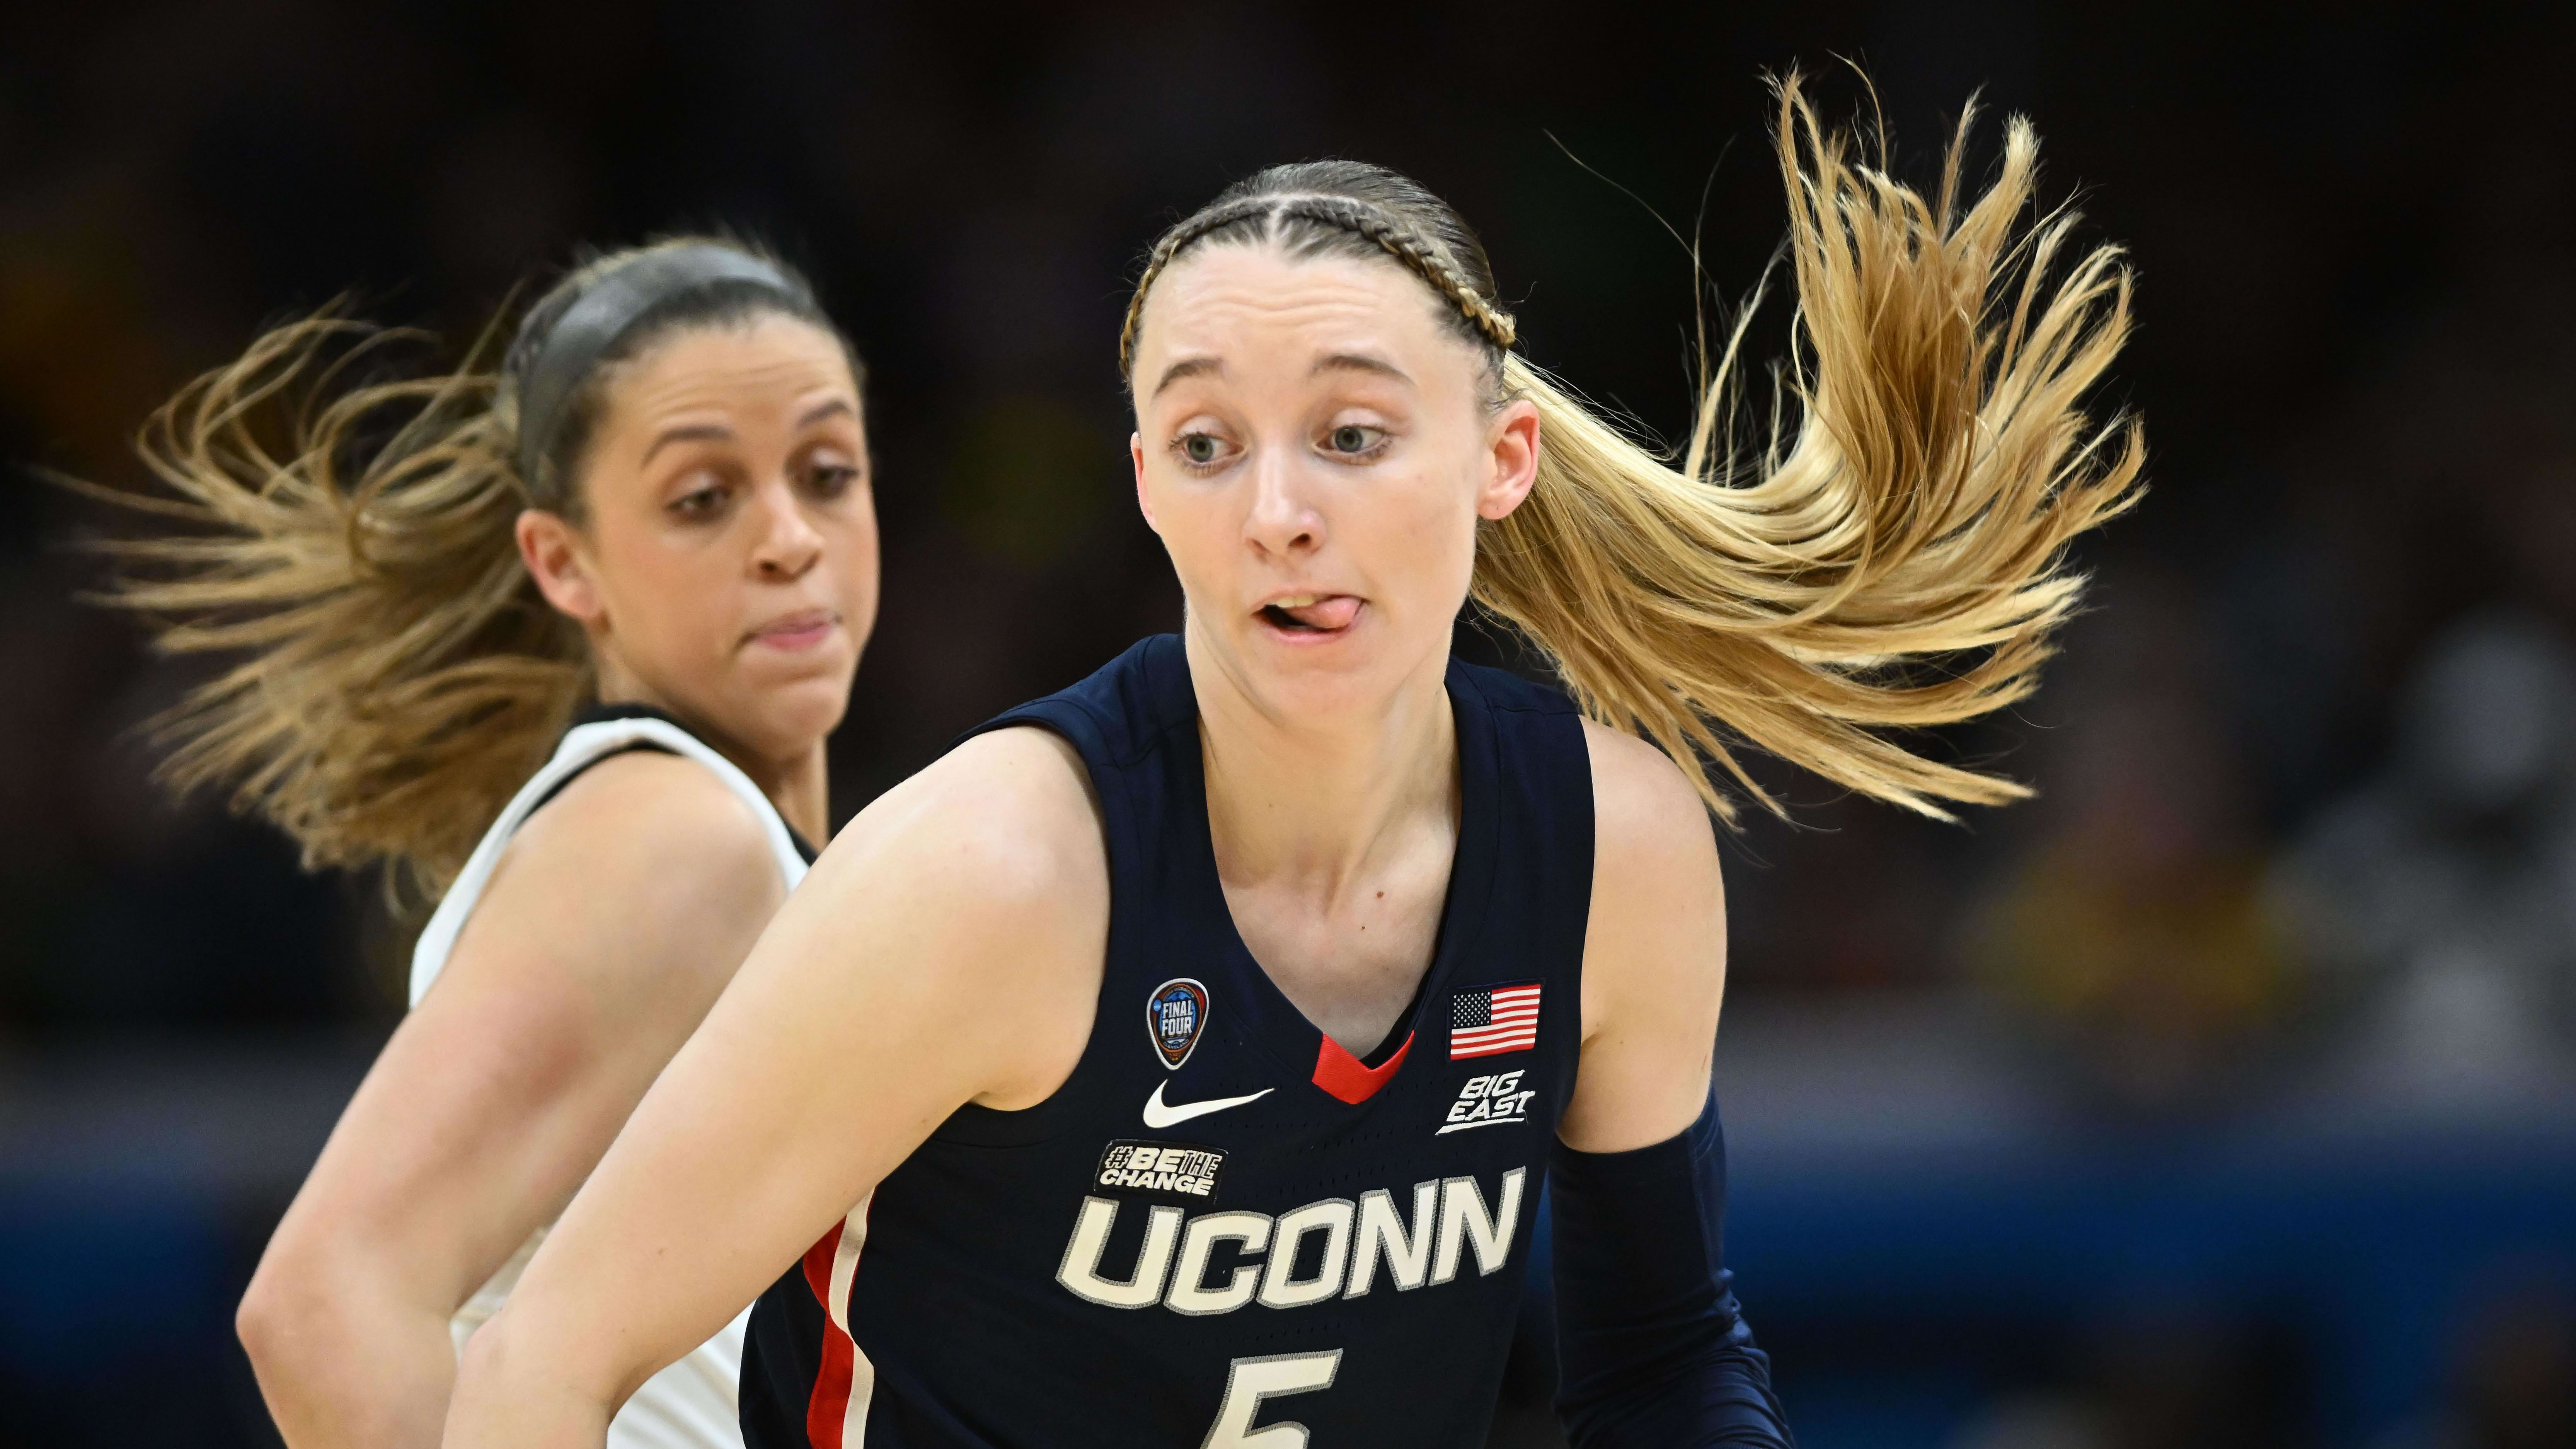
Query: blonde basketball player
<point>1176,1062</point>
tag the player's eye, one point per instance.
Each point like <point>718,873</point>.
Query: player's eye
<point>1354,440</point>
<point>703,501</point>
<point>1199,449</point>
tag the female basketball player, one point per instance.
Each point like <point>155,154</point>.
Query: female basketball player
<point>660,506</point>
<point>1192,1043</point>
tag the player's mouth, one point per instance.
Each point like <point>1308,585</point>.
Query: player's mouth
<point>1308,617</point>
<point>796,632</point>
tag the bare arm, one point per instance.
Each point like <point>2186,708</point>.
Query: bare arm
<point>1652,1350</point>
<point>1654,954</point>
<point>617,915</point>
<point>946,950</point>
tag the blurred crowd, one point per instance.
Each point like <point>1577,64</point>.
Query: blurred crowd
<point>2306,821</point>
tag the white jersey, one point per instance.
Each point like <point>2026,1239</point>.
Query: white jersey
<point>691,1404</point>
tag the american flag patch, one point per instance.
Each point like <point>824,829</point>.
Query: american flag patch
<point>1493,1019</point>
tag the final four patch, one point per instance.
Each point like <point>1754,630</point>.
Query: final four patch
<point>1159,1169</point>
<point>1175,1015</point>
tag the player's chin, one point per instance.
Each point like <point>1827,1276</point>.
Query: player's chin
<point>796,703</point>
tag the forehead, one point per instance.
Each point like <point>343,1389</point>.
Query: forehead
<point>734,365</point>
<point>1225,298</point>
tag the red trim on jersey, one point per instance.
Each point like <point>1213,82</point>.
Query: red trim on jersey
<point>1340,1073</point>
<point>831,1401</point>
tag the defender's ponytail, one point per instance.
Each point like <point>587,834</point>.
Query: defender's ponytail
<point>1893,559</point>
<point>395,675</point>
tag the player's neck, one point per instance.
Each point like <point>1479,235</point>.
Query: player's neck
<point>798,785</point>
<point>1323,803</point>
<point>801,789</point>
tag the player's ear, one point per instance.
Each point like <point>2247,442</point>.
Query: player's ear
<point>551,549</point>
<point>1136,456</point>
<point>1512,441</point>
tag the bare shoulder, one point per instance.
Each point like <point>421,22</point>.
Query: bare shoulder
<point>646,810</point>
<point>1656,933</point>
<point>983,878</point>
<point>1654,952</point>
<point>1645,813</point>
<point>645,859</point>
<point>1006,817</point>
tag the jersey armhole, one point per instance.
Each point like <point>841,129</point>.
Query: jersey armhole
<point>973,1125</point>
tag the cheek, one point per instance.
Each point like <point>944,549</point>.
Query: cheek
<point>1201,527</point>
<point>852,544</point>
<point>1422,535</point>
<point>664,597</point>
<point>857,542</point>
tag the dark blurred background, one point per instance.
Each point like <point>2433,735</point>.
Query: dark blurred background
<point>2225,1095</point>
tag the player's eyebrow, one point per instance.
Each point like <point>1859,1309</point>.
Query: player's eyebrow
<point>1188,367</point>
<point>1358,362</point>
<point>718,432</point>
<point>828,408</point>
<point>688,433</point>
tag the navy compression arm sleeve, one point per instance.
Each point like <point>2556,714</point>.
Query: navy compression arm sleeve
<point>1652,1353</point>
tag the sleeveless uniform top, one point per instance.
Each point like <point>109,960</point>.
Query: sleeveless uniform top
<point>691,1404</point>
<point>1223,1229</point>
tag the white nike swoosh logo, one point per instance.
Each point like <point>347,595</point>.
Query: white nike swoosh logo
<point>1159,1115</point>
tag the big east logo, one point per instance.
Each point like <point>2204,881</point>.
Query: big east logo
<point>1488,1102</point>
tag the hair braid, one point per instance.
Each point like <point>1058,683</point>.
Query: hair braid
<point>1209,219</point>
<point>1420,254</point>
<point>1416,251</point>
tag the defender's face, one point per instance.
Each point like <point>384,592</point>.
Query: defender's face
<point>1314,450</point>
<point>727,565</point>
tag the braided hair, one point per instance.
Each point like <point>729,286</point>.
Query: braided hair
<point>1318,206</point>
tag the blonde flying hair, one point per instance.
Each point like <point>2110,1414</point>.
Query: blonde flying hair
<point>349,545</point>
<point>1894,559</point>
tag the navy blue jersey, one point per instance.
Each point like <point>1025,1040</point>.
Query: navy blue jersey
<point>1223,1223</point>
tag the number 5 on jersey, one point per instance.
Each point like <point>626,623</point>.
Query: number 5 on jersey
<point>1248,1381</point>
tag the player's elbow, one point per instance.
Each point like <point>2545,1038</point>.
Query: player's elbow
<point>321,1308</point>
<point>261,1321</point>
<point>287,1317</point>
